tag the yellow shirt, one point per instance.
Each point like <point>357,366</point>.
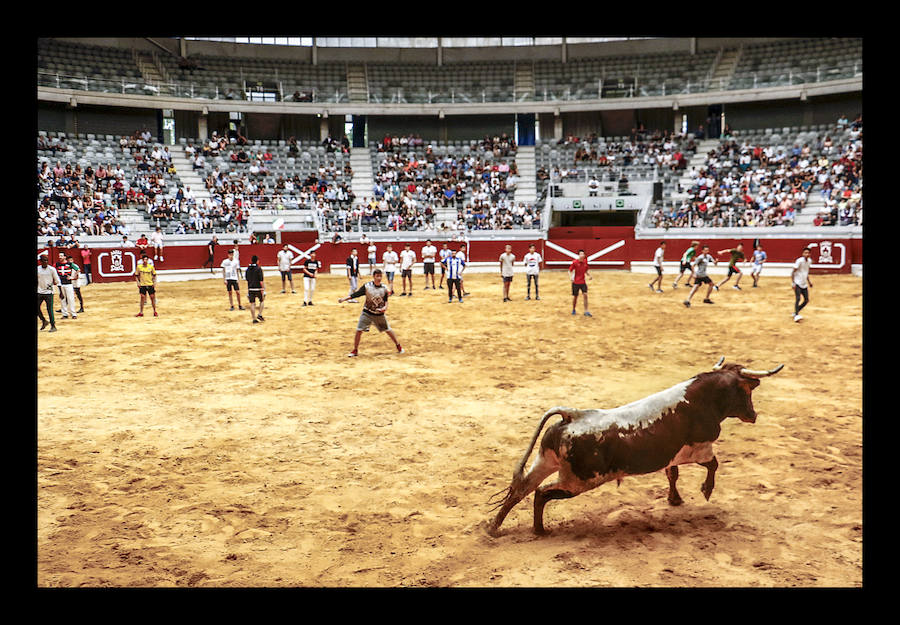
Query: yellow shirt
<point>145,274</point>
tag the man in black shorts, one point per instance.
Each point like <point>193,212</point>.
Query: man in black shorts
<point>145,274</point>
<point>256,288</point>
<point>429,251</point>
<point>211,248</point>
<point>373,311</point>
<point>700,265</point>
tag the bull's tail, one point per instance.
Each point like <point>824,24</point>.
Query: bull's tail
<point>520,487</point>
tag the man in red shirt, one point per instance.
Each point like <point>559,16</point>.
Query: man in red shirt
<point>578,272</point>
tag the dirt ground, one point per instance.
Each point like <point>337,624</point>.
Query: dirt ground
<point>199,449</point>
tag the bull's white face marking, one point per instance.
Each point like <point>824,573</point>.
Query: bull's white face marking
<point>637,414</point>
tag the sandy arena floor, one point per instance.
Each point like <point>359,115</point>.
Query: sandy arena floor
<point>198,449</point>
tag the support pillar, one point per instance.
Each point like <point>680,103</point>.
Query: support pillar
<point>203,127</point>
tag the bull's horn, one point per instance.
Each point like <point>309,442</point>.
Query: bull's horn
<point>718,365</point>
<point>750,373</point>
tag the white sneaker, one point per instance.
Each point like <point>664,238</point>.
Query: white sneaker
<point>797,318</point>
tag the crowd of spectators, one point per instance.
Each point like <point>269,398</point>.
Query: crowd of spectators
<point>741,184</point>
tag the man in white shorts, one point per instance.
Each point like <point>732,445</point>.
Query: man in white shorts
<point>532,262</point>
<point>310,269</point>
<point>230,276</point>
<point>389,261</point>
<point>429,252</point>
<point>157,243</point>
<point>759,258</point>
<point>407,261</point>
<point>373,311</point>
<point>285,257</point>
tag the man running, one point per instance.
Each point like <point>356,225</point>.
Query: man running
<point>47,278</point>
<point>759,258</point>
<point>687,263</point>
<point>353,271</point>
<point>532,262</point>
<point>801,283</point>
<point>230,274</point>
<point>256,288</point>
<point>507,259</point>
<point>407,261</point>
<point>578,273</point>
<point>145,276</point>
<point>373,311</point>
<point>657,264</point>
<point>698,269</point>
<point>429,251</point>
<point>285,257</point>
<point>737,253</point>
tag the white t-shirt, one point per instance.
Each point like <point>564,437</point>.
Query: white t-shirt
<point>284,260</point>
<point>506,264</point>
<point>428,253</point>
<point>800,274</point>
<point>390,260</point>
<point>658,257</point>
<point>407,259</point>
<point>231,269</point>
<point>532,262</point>
<point>156,239</point>
<point>371,249</point>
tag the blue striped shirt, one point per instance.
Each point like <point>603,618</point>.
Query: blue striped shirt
<point>454,267</point>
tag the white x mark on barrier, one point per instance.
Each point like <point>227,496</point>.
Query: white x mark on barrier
<point>572,254</point>
<point>301,253</point>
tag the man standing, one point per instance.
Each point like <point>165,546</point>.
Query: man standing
<point>801,283</point>
<point>86,261</point>
<point>285,257</point>
<point>256,288</point>
<point>657,264</point>
<point>373,258</point>
<point>310,268</point>
<point>687,262</point>
<point>64,270</point>
<point>373,311</point>
<point>455,265</point>
<point>211,249</point>
<point>578,274</point>
<point>429,251</point>
<point>444,254</point>
<point>462,253</point>
<point>47,278</point>
<point>230,274</point>
<point>237,258</point>
<point>389,261</point>
<point>532,270</point>
<point>145,275</point>
<point>737,253</point>
<point>507,258</point>
<point>698,269</point>
<point>157,243</point>
<point>353,271</point>
<point>76,281</point>
<point>759,258</point>
<point>407,261</point>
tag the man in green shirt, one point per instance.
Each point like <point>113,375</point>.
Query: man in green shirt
<point>687,260</point>
<point>737,253</point>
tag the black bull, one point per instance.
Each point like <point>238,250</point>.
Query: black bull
<point>591,447</point>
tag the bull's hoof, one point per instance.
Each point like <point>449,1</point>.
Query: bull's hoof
<point>493,532</point>
<point>676,500</point>
<point>540,531</point>
<point>707,491</point>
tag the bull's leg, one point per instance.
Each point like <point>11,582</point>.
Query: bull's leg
<point>674,497</point>
<point>541,497</point>
<point>710,482</point>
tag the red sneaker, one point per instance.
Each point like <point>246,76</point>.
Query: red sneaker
<point>155,314</point>
<point>139,315</point>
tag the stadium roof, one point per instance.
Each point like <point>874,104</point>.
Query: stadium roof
<point>412,42</point>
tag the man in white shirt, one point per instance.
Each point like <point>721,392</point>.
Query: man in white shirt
<point>463,255</point>
<point>657,264</point>
<point>801,283</point>
<point>407,260</point>
<point>285,257</point>
<point>389,261</point>
<point>507,258</point>
<point>230,269</point>
<point>444,254</point>
<point>429,252</point>
<point>157,243</point>
<point>47,278</point>
<point>532,269</point>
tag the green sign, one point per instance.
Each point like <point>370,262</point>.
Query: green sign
<point>576,203</point>
<point>620,203</point>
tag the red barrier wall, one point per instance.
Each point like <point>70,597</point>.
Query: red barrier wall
<point>613,248</point>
